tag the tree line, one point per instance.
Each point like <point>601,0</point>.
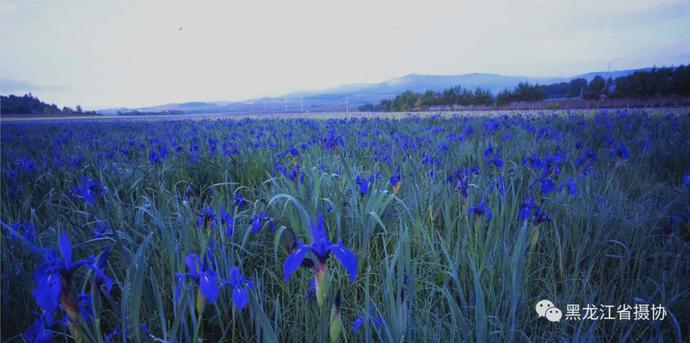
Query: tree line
<point>29,104</point>
<point>642,84</point>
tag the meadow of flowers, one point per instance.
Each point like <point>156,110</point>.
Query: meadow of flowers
<point>420,228</point>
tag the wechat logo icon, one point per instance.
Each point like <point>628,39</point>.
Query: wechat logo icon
<point>545,308</point>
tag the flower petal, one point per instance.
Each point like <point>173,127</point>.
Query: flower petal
<point>346,257</point>
<point>294,261</point>
<point>209,286</point>
<point>47,292</point>
<point>256,224</point>
<point>101,277</point>
<point>318,230</point>
<point>235,277</point>
<point>229,229</point>
<point>240,297</point>
<point>39,331</point>
<point>192,261</point>
<point>358,322</point>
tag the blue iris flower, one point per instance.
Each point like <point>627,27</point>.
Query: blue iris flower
<point>28,165</point>
<point>280,168</point>
<point>363,185</point>
<point>54,277</point>
<point>357,323</point>
<point>526,208</point>
<point>212,146</point>
<point>459,180</point>
<point>321,248</point>
<point>571,186</point>
<point>203,275</point>
<point>207,219</point>
<point>295,172</point>
<point>376,320</point>
<point>620,153</point>
<point>533,160</point>
<point>529,209</point>
<point>383,156</point>
<point>540,216</point>
<point>90,190</point>
<point>238,200</point>
<point>492,155</point>
<point>492,125</point>
<point>227,220</point>
<point>157,154</point>
<point>480,210</point>
<point>240,288</point>
<point>39,331</point>
<point>588,157</point>
<point>258,221</point>
<point>229,149</point>
<point>111,336</point>
<point>333,141</point>
<point>547,185</point>
<point>311,290</point>
<point>395,177</point>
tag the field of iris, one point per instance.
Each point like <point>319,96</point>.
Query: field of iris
<point>435,228</point>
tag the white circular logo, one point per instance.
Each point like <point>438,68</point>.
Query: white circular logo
<point>542,306</point>
<point>554,314</point>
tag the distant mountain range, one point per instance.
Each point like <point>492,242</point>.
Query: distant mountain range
<point>349,96</point>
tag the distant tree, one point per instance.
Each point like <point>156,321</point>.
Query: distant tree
<point>504,97</point>
<point>26,104</point>
<point>450,95</point>
<point>576,88</point>
<point>464,97</point>
<point>654,82</point>
<point>556,90</point>
<point>680,82</point>
<point>429,98</point>
<point>596,88</point>
<point>419,104</point>
<point>404,102</point>
<point>385,105</point>
<point>482,97</point>
<point>526,92</point>
<point>368,107</point>
<point>640,84</point>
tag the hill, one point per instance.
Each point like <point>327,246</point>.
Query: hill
<point>350,96</point>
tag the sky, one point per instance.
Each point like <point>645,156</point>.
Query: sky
<point>105,54</point>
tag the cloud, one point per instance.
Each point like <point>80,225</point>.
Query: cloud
<point>132,53</point>
<point>17,86</point>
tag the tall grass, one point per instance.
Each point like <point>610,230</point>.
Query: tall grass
<point>427,267</point>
